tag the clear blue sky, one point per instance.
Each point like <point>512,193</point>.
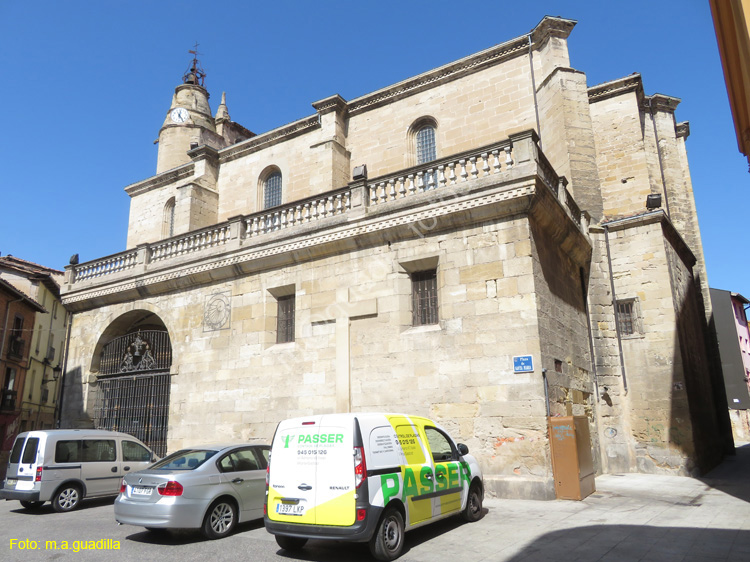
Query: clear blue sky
<point>86,86</point>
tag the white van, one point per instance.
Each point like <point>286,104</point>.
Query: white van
<point>366,478</point>
<point>66,465</point>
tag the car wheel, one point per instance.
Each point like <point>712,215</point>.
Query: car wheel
<point>388,540</point>
<point>290,543</point>
<point>220,519</point>
<point>31,505</point>
<point>67,498</point>
<point>473,510</point>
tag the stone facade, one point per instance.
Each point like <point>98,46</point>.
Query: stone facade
<point>519,213</point>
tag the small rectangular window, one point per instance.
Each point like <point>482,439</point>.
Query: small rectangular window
<point>134,452</point>
<point>424,298</point>
<point>68,451</point>
<point>285,319</point>
<point>98,450</point>
<point>627,317</point>
<point>29,452</point>
<point>15,454</point>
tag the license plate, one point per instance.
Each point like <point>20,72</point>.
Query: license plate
<point>141,491</point>
<point>11,482</point>
<point>290,509</point>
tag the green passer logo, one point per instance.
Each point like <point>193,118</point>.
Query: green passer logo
<point>314,439</point>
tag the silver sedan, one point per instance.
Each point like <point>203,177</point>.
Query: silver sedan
<point>209,488</point>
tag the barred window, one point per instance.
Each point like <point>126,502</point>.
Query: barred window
<point>627,317</point>
<point>426,150</point>
<point>285,319</point>
<point>272,190</point>
<point>424,298</point>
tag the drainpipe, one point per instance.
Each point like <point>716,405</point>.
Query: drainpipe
<point>546,390</point>
<point>61,381</point>
<point>591,337</point>
<point>533,91</point>
<point>614,306</point>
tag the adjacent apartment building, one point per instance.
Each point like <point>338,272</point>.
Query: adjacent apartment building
<point>730,323</point>
<point>34,389</point>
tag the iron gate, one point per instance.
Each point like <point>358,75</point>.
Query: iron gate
<point>133,393</point>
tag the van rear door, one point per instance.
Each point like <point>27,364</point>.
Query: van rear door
<point>30,459</point>
<point>311,480</point>
<point>335,482</point>
<point>14,463</point>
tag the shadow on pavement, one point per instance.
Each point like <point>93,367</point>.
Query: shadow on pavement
<point>176,537</point>
<point>633,542</point>
<point>46,509</point>
<point>340,551</point>
<point>732,476</point>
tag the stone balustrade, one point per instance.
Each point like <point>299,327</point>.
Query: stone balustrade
<point>496,159</point>
<point>106,266</point>
<point>192,242</point>
<point>439,173</point>
<point>301,212</point>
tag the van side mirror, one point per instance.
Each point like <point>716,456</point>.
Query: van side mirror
<point>463,449</point>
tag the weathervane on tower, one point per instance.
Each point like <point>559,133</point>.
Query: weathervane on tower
<point>195,74</point>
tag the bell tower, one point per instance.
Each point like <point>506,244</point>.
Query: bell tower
<point>188,123</point>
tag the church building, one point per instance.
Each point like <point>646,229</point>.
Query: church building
<point>491,244</point>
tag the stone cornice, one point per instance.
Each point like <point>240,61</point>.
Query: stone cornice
<point>204,152</point>
<point>632,83</point>
<point>548,27</point>
<point>660,102</point>
<point>165,178</point>
<point>269,139</point>
<point>331,103</point>
<point>683,129</point>
<point>551,27</point>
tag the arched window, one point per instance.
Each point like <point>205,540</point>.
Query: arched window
<point>272,190</point>
<point>167,230</point>
<point>425,139</point>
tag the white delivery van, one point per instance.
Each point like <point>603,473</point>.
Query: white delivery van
<point>366,478</point>
<point>66,465</point>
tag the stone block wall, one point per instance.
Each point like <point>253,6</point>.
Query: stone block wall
<point>504,290</point>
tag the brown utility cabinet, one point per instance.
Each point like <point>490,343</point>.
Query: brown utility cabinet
<point>572,458</point>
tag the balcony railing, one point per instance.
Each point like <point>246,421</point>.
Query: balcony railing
<point>464,168</point>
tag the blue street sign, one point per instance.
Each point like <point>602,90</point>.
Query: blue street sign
<point>523,364</point>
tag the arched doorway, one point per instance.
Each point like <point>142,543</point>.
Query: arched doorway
<point>133,380</point>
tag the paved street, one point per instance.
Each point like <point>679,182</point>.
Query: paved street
<point>631,517</point>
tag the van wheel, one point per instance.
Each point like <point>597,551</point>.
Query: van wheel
<point>290,543</point>
<point>31,505</point>
<point>473,510</point>
<point>67,498</point>
<point>388,540</point>
<point>220,519</point>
